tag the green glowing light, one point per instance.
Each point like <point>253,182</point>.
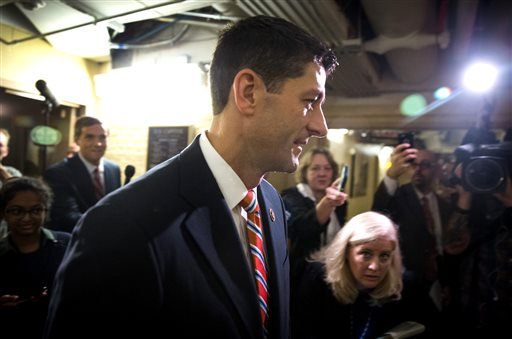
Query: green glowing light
<point>413,105</point>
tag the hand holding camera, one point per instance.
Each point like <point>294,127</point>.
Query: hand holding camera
<point>401,159</point>
<point>485,167</point>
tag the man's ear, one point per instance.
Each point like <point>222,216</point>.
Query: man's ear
<point>246,86</point>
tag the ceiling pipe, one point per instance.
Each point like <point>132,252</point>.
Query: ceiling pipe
<point>94,22</point>
<point>396,22</point>
<point>383,44</point>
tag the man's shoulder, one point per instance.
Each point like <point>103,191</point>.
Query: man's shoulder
<point>58,166</point>
<point>269,188</point>
<point>110,163</point>
<point>290,190</point>
<point>64,167</point>
<point>405,189</point>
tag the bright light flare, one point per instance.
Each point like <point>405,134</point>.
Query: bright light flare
<point>442,93</point>
<point>480,77</point>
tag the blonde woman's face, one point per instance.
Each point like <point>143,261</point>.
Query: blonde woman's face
<point>370,262</point>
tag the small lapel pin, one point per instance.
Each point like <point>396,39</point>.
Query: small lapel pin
<point>272,215</point>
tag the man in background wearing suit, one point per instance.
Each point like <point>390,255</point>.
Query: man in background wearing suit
<point>168,255</point>
<point>72,180</point>
<point>420,215</point>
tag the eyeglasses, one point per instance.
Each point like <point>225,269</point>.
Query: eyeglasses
<point>20,212</point>
<point>422,165</point>
<point>320,168</point>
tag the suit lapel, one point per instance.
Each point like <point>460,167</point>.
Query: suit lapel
<point>82,178</point>
<point>108,175</point>
<point>274,231</point>
<point>212,227</point>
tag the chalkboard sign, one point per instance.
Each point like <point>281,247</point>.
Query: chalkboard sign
<point>165,142</point>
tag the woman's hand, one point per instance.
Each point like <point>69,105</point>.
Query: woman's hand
<point>332,199</point>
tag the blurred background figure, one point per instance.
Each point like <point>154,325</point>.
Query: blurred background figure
<point>72,150</point>
<point>81,180</point>
<point>419,213</point>
<point>480,233</point>
<point>6,171</point>
<point>354,288</point>
<point>315,207</point>
<point>29,257</point>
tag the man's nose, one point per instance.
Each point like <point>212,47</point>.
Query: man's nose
<point>317,126</point>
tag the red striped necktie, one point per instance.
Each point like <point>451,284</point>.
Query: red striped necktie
<point>255,237</point>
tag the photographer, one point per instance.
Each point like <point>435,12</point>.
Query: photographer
<point>480,234</point>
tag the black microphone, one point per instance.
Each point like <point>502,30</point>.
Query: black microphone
<point>46,93</point>
<point>129,171</point>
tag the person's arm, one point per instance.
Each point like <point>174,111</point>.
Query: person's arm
<point>303,224</point>
<point>65,210</point>
<point>332,199</point>
<point>400,164</point>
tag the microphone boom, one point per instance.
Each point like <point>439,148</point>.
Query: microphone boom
<point>46,93</point>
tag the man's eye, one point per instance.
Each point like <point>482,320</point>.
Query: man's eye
<point>310,103</point>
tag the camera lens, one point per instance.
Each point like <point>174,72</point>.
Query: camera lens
<point>484,174</point>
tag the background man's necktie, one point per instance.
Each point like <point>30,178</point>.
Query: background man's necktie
<point>99,190</point>
<point>255,237</point>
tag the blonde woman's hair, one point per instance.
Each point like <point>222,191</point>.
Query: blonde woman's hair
<point>362,228</point>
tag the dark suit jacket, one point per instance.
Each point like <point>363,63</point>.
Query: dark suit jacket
<point>405,209</point>
<point>161,257</point>
<point>304,230</point>
<point>73,190</point>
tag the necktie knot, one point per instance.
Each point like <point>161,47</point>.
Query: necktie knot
<point>249,203</point>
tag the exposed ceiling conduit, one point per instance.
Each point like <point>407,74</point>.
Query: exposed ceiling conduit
<point>396,23</point>
<point>383,44</point>
<point>86,20</point>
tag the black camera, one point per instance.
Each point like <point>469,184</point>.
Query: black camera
<point>485,167</point>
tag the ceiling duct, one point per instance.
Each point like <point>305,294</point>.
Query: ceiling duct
<point>79,27</point>
<point>406,36</point>
<point>357,74</point>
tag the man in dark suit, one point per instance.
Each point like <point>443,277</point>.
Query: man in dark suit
<point>72,179</point>
<point>168,255</point>
<point>418,211</point>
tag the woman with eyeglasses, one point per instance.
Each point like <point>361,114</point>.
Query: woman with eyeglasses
<point>355,287</point>
<point>29,257</point>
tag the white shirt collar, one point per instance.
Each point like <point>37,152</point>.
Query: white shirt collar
<point>306,191</point>
<point>230,184</point>
<point>90,167</point>
<point>421,194</point>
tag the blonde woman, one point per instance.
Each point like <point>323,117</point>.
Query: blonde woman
<point>353,288</point>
